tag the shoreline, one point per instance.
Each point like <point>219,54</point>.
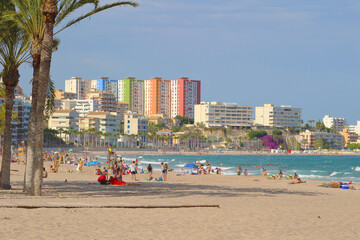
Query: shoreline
<point>160,152</point>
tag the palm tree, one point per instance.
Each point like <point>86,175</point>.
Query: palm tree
<point>38,18</point>
<point>14,51</point>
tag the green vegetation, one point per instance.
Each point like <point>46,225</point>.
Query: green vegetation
<point>353,146</point>
<point>276,132</point>
<point>256,134</point>
<point>184,120</point>
<point>321,143</point>
<point>153,128</point>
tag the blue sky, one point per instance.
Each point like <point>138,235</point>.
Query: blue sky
<point>304,53</point>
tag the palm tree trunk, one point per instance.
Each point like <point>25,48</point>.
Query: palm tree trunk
<point>30,149</point>
<point>49,10</point>
<point>9,102</point>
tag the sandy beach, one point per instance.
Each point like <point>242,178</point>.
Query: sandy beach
<point>251,207</point>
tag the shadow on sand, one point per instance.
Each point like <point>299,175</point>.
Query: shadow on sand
<point>81,189</point>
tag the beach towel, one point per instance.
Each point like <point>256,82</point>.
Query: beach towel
<point>114,181</point>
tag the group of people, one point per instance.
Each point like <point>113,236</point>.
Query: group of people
<point>164,171</point>
<point>239,171</point>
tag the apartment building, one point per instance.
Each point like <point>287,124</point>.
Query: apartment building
<point>131,91</point>
<point>60,94</point>
<point>216,114</point>
<point>349,137</point>
<point>78,86</point>
<point>19,126</point>
<point>106,100</point>
<point>185,94</point>
<point>338,123</point>
<point>108,122</point>
<point>355,128</point>
<point>107,85</point>
<point>135,123</point>
<point>157,96</point>
<point>307,139</point>
<point>283,116</point>
<point>83,107</point>
<point>65,120</point>
<point>121,109</point>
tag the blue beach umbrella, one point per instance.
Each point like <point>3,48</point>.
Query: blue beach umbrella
<point>93,163</point>
<point>191,165</point>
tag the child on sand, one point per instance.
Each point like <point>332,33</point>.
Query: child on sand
<point>149,168</point>
<point>133,170</point>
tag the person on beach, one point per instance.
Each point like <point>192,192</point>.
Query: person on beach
<point>246,172</point>
<point>162,170</point>
<point>166,170</point>
<point>239,170</point>
<point>102,180</point>
<point>149,169</point>
<point>297,181</point>
<point>133,170</point>
<point>279,175</point>
<point>263,172</point>
<point>45,174</point>
<point>296,176</point>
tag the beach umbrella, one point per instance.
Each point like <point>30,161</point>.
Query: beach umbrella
<point>93,163</point>
<point>191,165</point>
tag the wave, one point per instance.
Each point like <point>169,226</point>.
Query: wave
<point>149,162</point>
<point>333,174</point>
<point>201,161</point>
<point>357,169</point>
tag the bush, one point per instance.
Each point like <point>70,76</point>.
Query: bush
<point>256,134</point>
<point>276,132</point>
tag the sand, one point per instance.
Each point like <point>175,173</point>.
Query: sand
<point>251,207</point>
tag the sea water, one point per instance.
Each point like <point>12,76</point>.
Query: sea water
<point>324,167</point>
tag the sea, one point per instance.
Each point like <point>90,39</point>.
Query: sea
<point>313,167</point>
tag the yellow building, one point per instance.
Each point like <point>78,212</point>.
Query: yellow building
<point>349,137</point>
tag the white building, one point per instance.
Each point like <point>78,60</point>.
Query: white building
<point>78,86</point>
<point>223,114</point>
<point>109,122</point>
<point>83,107</point>
<point>283,116</point>
<point>135,123</point>
<point>339,123</point>
<point>355,128</point>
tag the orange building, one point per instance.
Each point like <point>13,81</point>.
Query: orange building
<point>157,96</point>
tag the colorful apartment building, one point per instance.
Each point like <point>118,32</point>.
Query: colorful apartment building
<point>185,94</point>
<point>157,96</point>
<point>131,91</point>
<point>107,85</point>
<point>349,137</point>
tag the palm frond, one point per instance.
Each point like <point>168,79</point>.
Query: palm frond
<point>50,99</point>
<point>97,9</point>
